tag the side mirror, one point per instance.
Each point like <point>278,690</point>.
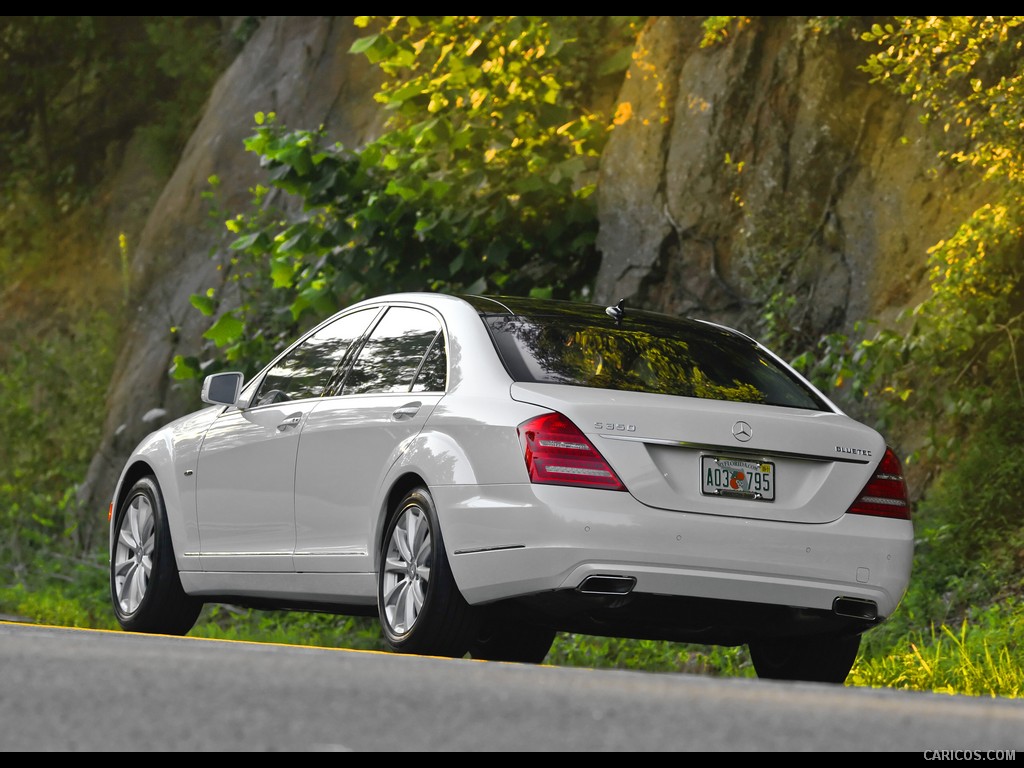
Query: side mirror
<point>222,388</point>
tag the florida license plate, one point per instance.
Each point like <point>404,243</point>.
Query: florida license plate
<point>745,478</point>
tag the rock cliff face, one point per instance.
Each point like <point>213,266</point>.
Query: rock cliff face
<point>770,164</point>
<point>296,66</point>
<point>767,165</point>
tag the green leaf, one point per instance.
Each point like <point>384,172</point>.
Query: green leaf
<point>204,304</point>
<point>410,91</point>
<point>245,242</point>
<point>228,328</point>
<point>437,189</point>
<point>298,157</point>
<point>618,62</point>
<point>363,44</point>
<point>185,368</point>
<point>294,241</point>
<point>553,115</point>
<point>282,273</point>
<point>405,192</point>
<point>527,184</point>
<point>497,253</point>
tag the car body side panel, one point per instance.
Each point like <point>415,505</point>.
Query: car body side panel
<point>346,447</point>
<point>328,589</point>
<point>468,443</point>
<point>170,454</point>
<point>479,437</point>
<point>245,488</point>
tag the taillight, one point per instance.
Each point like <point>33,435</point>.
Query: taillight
<point>557,452</point>
<point>885,494</point>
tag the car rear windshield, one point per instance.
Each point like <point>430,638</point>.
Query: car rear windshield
<point>646,354</point>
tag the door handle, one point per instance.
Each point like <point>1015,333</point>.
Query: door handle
<point>288,423</point>
<point>407,411</point>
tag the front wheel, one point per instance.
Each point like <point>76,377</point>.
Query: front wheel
<point>421,609</point>
<point>144,585</point>
<point>821,658</point>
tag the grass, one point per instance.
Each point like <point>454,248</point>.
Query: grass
<point>981,659</point>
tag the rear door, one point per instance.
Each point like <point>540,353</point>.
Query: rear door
<point>353,436</point>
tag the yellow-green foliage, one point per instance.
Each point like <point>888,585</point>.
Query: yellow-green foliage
<point>966,73</point>
<point>946,661</point>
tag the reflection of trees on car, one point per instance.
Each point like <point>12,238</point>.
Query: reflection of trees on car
<point>388,363</point>
<point>643,362</point>
<point>305,372</point>
<point>647,358</point>
<point>742,393</point>
<point>405,341</point>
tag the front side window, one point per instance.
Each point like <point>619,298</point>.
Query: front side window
<point>646,354</point>
<point>305,371</point>
<point>394,355</point>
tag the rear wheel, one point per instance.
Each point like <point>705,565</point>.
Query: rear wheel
<point>144,585</point>
<point>421,609</point>
<point>821,658</point>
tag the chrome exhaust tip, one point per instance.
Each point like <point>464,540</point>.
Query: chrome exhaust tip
<point>607,585</point>
<point>855,608</point>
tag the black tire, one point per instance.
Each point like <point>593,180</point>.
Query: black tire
<point>819,659</point>
<point>420,607</point>
<point>505,639</point>
<point>144,585</point>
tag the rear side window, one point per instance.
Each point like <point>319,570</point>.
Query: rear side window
<point>433,374</point>
<point>645,354</point>
<point>405,349</point>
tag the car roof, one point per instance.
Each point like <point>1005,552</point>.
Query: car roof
<point>491,305</point>
<point>588,312</point>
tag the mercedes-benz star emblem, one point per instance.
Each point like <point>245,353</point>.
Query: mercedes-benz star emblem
<point>742,431</point>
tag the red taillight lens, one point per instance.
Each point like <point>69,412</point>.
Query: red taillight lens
<point>885,494</point>
<point>557,452</point>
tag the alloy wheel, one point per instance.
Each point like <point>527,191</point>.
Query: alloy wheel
<point>133,555</point>
<point>407,564</point>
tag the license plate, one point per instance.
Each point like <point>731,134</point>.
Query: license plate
<point>744,478</point>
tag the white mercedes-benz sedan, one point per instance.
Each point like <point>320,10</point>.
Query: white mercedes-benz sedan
<point>481,473</point>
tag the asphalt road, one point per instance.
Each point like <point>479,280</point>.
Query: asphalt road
<point>93,691</point>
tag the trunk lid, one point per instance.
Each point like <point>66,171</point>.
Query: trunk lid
<point>807,466</point>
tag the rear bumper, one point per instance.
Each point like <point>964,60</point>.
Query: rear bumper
<point>523,541</point>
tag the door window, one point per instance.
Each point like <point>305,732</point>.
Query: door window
<point>305,371</point>
<point>395,352</point>
<point>433,374</point>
